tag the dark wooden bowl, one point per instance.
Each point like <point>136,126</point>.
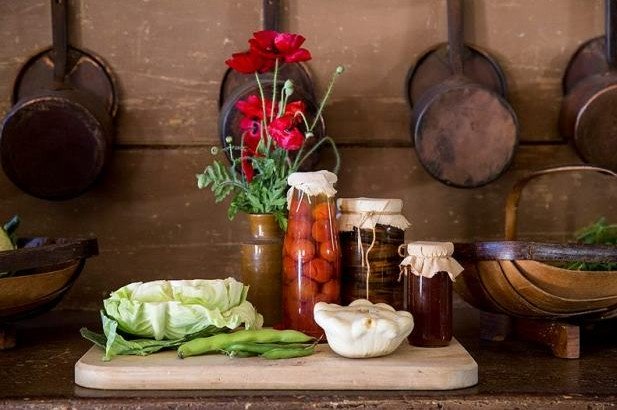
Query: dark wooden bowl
<point>41,271</point>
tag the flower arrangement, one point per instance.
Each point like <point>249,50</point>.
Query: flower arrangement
<point>275,132</point>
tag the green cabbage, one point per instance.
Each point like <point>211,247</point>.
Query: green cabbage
<point>174,309</point>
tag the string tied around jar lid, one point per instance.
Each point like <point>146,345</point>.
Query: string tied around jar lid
<point>366,213</point>
<point>364,255</point>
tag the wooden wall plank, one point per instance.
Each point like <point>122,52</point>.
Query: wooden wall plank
<point>168,56</point>
<point>152,222</point>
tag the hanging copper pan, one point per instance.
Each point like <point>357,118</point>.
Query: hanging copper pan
<point>464,131</point>
<point>57,137</point>
<point>434,67</point>
<point>588,114</point>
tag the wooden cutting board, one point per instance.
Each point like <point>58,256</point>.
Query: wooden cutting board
<point>408,368</point>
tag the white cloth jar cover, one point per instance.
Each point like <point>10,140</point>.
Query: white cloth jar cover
<point>365,213</point>
<point>312,183</point>
<point>428,258</point>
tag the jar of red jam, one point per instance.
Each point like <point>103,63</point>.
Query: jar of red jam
<point>429,271</point>
<point>371,232</point>
<point>311,250</point>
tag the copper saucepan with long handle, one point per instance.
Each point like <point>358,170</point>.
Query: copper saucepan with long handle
<point>465,132</point>
<point>56,139</point>
<point>588,114</point>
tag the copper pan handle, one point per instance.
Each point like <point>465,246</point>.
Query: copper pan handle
<point>514,196</point>
<point>59,39</point>
<point>271,15</point>
<point>455,36</point>
<point>610,16</point>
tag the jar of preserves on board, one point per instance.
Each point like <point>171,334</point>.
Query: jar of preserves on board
<point>429,271</point>
<point>311,251</point>
<point>371,231</point>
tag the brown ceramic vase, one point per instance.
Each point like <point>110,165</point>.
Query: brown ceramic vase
<point>261,266</point>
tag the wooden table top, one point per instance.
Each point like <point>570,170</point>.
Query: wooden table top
<point>40,372</point>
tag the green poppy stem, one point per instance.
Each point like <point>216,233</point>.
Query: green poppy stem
<point>261,95</point>
<point>339,70</point>
<point>299,154</point>
<point>276,71</point>
<point>321,141</point>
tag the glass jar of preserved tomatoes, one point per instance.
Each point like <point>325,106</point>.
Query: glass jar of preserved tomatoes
<point>371,231</point>
<point>429,271</point>
<point>311,254</point>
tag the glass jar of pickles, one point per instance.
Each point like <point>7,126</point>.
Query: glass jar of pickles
<point>311,251</point>
<point>429,271</point>
<point>371,231</point>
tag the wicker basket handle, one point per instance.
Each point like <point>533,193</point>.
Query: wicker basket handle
<point>514,196</point>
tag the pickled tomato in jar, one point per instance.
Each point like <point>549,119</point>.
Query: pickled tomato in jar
<point>311,251</point>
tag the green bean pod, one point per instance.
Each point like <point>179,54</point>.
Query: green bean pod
<point>219,342</point>
<point>263,347</point>
<point>286,353</point>
<point>239,353</point>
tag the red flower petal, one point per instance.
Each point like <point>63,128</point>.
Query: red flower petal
<point>247,62</point>
<point>297,56</point>
<point>271,45</point>
<point>265,39</point>
<point>247,168</point>
<point>252,107</point>
<point>285,134</point>
<point>251,133</point>
<point>267,65</point>
<point>294,107</point>
<point>287,42</point>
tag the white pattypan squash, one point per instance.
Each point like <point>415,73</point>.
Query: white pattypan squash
<point>363,329</point>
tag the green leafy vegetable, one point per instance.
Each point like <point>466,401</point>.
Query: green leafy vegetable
<point>265,193</point>
<point>115,344</point>
<point>598,233</point>
<point>170,310</point>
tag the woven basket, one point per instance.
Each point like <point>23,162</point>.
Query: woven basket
<point>513,277</point>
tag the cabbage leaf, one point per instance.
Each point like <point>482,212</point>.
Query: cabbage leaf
<point>115,344</point>
<point>171,310</point>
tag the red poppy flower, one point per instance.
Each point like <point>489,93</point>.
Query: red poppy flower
<point>252,107</point>
<point>285,133</point>
<point>273,45</point>
<point>294,107</point>
<point>251,133</point>
<point>247,165</point>
<point>249,63</point>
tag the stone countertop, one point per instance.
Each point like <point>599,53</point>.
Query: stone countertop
<point>39,373</point>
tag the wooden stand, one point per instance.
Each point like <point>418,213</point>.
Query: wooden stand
<point>7,337</point>
<point>562,338</point>
<point>494,327</point>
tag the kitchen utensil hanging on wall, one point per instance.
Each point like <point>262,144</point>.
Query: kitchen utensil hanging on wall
<point>464,131</point>
<point>237,86</point>
<point>57,138</point>
<point>588,114</point>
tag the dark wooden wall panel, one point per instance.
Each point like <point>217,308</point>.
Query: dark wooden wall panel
<point>152,222</point>
<point>168,56</point>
